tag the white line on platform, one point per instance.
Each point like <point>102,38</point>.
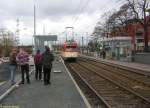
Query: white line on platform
<point>1,83</point>
<point>79,90</point>
<point>11,88</point>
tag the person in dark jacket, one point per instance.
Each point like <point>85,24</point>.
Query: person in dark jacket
<point>103,53</point>
<point>38,65</point>
<point>13,65</point>
<point>47,59</point>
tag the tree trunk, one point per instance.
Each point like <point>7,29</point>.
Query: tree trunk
<point>146,48</point>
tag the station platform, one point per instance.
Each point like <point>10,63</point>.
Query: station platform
<point>62,93</point>
<point>140,66</point>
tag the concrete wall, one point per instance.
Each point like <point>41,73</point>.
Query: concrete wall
<point>142,58</point>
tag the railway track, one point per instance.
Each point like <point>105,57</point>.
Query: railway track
<point>87,89</point>
<point>136,81</point>
<point>112,88</point>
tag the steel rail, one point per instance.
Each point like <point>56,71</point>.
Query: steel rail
<point>126,76</point>
<point>100,97</point>
<point>138,71</point>
<point>121,86</point>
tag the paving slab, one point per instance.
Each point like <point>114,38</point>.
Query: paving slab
<point>62,93</point>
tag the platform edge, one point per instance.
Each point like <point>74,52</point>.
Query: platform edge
<point>77,87</point>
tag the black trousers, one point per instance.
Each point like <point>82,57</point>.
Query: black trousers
<point>38,71</point>
<point>47,74</point>
<point>25,70</point>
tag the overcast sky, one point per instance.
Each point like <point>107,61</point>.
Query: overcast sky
<point>53,15</point>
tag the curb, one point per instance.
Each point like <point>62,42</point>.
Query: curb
<point>2,83</point>
<point>12,88</point>
<point>77,87</point>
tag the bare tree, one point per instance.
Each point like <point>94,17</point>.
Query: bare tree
<point>7,41</point>
<point>120,19</point>
<point>140,8</point>
<point>114,21</point>
<point>102,27</point>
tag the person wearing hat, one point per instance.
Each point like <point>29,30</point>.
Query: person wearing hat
<point>47,58</point>
<point>13,65</point>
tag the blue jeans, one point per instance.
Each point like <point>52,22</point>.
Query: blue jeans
<point>13,73</point>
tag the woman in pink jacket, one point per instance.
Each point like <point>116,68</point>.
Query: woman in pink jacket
<point>38,65</point>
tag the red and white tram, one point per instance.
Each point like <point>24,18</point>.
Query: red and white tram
<point>70,50</point>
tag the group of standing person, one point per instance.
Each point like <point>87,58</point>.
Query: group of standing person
<point>21,60</point>
<point>43,61</point>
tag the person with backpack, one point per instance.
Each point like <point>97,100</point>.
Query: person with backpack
<point>38,65</point>
<point>47,59</point>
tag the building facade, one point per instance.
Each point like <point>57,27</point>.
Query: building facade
<point>136,32</point>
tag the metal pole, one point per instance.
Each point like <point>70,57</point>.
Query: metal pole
<point>66,35</point>
<point>43,29</point>
<point>87,42</point>
<point>34,40</point>
<point>82,44</point>
<point>72,35</point>
<point>34,20</point>
<point>17,33</point>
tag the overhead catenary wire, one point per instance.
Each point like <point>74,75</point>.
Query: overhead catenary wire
<point>102,8</point>
<point>77,9</point>
<point>105,7</point>
<point>81,11</point>
<point>83,4</point>
<point>81,8</point>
